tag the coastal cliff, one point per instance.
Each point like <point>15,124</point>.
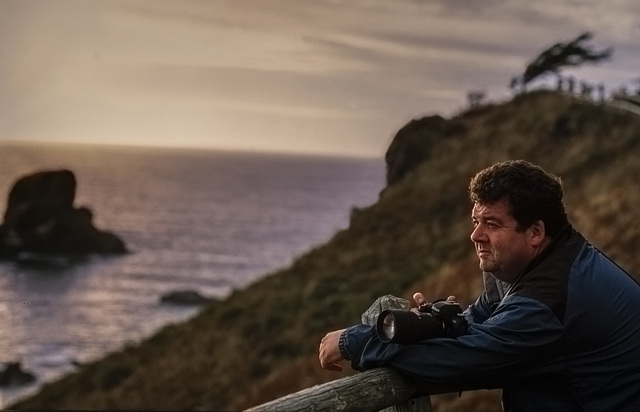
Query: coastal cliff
<point>261,342</point>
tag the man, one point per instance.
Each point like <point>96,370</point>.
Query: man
<point>557,325</point>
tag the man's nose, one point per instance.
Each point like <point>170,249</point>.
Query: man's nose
<point>478,234</point>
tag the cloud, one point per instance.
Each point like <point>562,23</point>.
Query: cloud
<point>298,75</point>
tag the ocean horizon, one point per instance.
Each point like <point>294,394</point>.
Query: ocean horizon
<point>202,220</point>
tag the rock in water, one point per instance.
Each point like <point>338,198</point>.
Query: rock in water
<point>14,375</point>
<point>184,297</point>
<point>40,218</point>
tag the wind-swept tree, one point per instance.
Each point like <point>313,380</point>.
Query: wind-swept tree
<point>551,60</point>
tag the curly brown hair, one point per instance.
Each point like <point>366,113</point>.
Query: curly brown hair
<point>531,193</point>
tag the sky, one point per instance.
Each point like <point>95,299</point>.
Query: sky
<point>310,76</point>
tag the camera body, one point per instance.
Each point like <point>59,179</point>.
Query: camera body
<point>441,318</point>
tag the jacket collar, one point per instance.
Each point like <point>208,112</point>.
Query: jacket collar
<point>564,235</point>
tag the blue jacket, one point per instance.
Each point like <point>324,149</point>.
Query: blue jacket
<point>565,336</point>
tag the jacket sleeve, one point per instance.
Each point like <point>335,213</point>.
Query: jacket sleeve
<point>518,341</point>
<point>493,292</point>
<point>479,311</point>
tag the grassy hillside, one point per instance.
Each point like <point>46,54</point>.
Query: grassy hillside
<point>261,343</point>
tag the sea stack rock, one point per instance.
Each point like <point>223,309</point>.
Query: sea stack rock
<point>14,375</point>
<point>185,297</point>
<point>40,218</point>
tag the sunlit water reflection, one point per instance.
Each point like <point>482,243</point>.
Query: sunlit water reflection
<point>207,221</point>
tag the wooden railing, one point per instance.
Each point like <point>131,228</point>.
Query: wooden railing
<point>380,389</point>
<point>373,390</point>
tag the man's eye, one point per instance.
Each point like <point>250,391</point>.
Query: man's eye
<point>489,225</point>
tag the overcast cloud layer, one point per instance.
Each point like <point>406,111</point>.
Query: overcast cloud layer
<point>322,76</point>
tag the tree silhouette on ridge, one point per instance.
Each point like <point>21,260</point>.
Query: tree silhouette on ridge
<point>573,53</point>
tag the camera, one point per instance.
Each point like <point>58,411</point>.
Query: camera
<point>441,318</point>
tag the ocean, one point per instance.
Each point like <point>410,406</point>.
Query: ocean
<point>208,221</point>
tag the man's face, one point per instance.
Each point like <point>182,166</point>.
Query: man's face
<point>502,250</point>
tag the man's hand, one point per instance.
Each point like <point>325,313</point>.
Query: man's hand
<point>330,356</point>
<point>421,300</point>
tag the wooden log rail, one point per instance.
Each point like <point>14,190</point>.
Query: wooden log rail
<point>380,389</point>
<point>373,390</point>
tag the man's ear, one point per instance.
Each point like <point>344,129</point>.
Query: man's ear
<point>538,233</point>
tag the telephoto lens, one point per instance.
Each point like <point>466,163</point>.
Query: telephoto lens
<point>405,326</point>
<point>441,318</point>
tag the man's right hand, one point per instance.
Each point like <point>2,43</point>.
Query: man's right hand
<point>329,351</point>
<point>421,300</point>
